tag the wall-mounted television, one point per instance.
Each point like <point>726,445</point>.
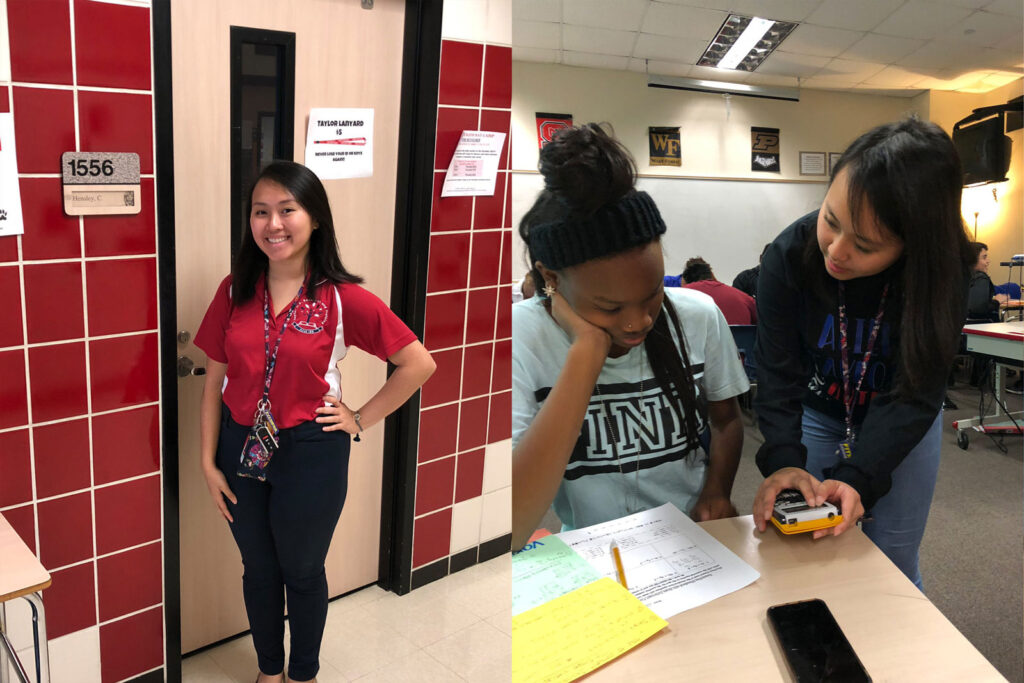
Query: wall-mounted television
<point>983,148</point>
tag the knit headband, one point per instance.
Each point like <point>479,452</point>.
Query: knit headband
<point>630,222</point>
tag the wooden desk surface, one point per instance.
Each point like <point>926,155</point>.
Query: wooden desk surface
<point>896,631</point>
<point>20,570</point>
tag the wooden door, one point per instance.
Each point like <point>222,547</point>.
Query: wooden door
<point>345,56</point>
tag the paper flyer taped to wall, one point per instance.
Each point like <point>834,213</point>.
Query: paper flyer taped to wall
<point>11,222</point>
<point>339,143</point>
<point>473,170</point>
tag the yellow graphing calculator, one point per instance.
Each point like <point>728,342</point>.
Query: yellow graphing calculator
<point>793,515</point>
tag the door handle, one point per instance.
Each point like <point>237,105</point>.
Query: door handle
<point>186,367</point>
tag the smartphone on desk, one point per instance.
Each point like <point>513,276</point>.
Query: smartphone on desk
<point>814,645</point>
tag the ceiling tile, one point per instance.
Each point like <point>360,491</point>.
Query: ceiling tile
<point>807,39</point>
<point>780,10</point>
<point>638,65</point>
<point>983,29</point>
<point>938,81</point>
<point>888,92</point>
<point>935,54</point>
<point>829,83</point>
<point>534,54</point>
<point>617,14</point>
<point>537,10</point>
<point>1013,8</point>
<point>536,34</point>
<point>882,49</point>
<point>920,19</point>
<point>851,70</point>
<point>999,79</point>
<point>893,77</point>
<point>1014,44</point>
<point>687,50</point>
<point>969,4</point>
<point>770,80</point>
<point>598,40</point>
<point>661,68</point>
<point>594,61</point>
<point>683,22</point>
<point>1010,60</point>
<point>856,16</point>
<point>785,64</point>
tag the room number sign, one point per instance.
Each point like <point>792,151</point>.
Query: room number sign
<point>100,183</point>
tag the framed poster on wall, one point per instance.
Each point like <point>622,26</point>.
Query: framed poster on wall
<point>812,163</point>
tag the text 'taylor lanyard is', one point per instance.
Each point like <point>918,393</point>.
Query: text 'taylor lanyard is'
<point>850,396</point>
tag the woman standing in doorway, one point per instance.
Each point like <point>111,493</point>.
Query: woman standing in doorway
<point>274,429</point>
<point>859,307</point>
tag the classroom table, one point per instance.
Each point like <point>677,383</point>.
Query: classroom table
<point>1004,343</point>
<point>896,631</point>
<point>21,576</point>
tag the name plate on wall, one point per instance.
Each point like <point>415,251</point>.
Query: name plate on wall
<point>100,183</point>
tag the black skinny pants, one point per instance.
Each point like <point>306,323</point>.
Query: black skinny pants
<point>283,527</point>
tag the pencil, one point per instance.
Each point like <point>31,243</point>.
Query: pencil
<point>618,565</point>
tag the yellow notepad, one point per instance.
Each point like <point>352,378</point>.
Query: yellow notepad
<point>571,636</point>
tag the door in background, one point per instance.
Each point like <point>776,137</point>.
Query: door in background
<point>344,56</point>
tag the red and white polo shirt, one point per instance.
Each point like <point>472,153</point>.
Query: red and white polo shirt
<point>318,336</point>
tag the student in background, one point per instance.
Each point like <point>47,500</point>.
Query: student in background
<point>614,378</point>
<point>737,307</point>
<point>860,307</point>
<point>746,281</point>
<point>982,300</point>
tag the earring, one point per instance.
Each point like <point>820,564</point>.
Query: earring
<point>549,290</point>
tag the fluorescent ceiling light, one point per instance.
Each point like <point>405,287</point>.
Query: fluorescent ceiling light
<point>750,37</point>
<point>742,43</point>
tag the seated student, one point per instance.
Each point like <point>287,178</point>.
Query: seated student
<point>614,378</point>
<point>982,300</point>
<point>746,281</point>
<point>737,307</point>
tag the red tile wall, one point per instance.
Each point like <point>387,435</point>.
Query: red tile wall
<point>79,409</point>
<point>466,404</point>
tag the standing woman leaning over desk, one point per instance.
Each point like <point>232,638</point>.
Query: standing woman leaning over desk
<point>614,378</point>
<point>860,307</point>
<point>274,334</point>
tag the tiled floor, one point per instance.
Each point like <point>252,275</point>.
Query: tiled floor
<point>455,629</point>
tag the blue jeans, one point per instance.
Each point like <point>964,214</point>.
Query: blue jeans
<point>283,527</point>
<point>899,517</point>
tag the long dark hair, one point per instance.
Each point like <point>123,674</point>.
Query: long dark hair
<point>323,261</point>
<point>585,169</point>
<point>909,174</point>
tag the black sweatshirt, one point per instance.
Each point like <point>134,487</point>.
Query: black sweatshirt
<point>798,364</point>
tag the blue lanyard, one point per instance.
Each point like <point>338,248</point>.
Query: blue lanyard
<point>850,396</point>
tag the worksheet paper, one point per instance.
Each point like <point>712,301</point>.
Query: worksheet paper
<point>671,564</point>
<point>574,634</point>
<point>547,569</point>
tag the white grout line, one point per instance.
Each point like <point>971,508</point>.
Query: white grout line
<point>126,616</point>
<point>75,86</point>
<point>72,418</point>
<point>88,259</point>
<point>104,556</point>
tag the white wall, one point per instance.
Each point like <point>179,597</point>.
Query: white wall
<point>715,137</point>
